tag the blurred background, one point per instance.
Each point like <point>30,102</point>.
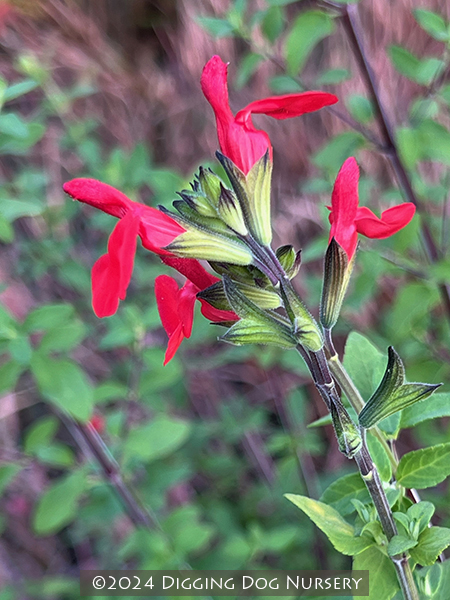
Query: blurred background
<point>210,443</point>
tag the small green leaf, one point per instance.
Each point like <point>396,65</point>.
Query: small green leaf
<point>308,30</point>
<point>9,374</point>
<point>283,84</point>
<point>432,541</point>
<point>40,433</point>
<point>433,24</point>
<point>360,108</point>
<point>273,23</point>
<point>406,63</point>
<point>19,89</point>
<point>57,507</point>
<point>333,76</point>
<point>424,468</point>
<point>340,533</point>
<point>157,439</point>
<point>422,512</point>
<point>399,544</point>
<point>11,124</point>
<point>383,580</point>
<point>337,150</point>
<point>7,474</point>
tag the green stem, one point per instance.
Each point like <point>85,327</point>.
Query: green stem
<point>356,400</point>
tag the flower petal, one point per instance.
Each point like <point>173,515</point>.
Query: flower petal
<point>192,270</point>
<point>215,314</point>
<point>344,204</point>
<point>392,220</point>
<point>166,292</point>
<point>241,143</point>
<point>111,273</point>
<point>100,195</point>
<point>176,309</point>
<point>287,106</point>
<point>157,229</point>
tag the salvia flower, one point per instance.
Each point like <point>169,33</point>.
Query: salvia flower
<point>239,140</point>
<point>111,273</point>
<point>348,219</point>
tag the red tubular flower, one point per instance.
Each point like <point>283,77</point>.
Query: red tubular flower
<point>176,306</point>
<point>238,138</point>
<point>111,273</point>
<point>347,219</point>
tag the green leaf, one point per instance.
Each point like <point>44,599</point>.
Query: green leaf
<point>383,580</point>
<point>273,23</point>
<point>421,513</point>
<point>433,24</point>
<point>56,454</point>
<point>421,71</point>
<point>7,474</point>
<point>308,30</point>
<point>424,468</point>
<point>432,541</point>
<point>399,544</point>
<point>247,68</point>
<point>6,230</point>
<point>157,439</point>
<point>9,374</point>
<point>63,338</point>
<point>19,89</point>
<point>218,28</point>
<point>364,363</point>
<point>340,533</point>
<point>12,209</point>
<point>40,433</point>
<point>11,124</point>
<point>283,84</point>
<point>393,394</point>
<point>360,108</point>
<point>438,406</point>
<point>341,492</point>
<point>57,507</point>
<point>48,317</point>
<point>337,150</point>
<point>333,76</point>
<point>65,384</point>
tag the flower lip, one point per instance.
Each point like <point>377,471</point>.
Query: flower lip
<point>347,219</point>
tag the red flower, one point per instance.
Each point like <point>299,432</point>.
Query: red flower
<point>347,219</point>
<point>176,306</point>
<point>238,138</point>
<point>111,273</point>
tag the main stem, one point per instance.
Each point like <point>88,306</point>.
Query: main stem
<point>320,372</point>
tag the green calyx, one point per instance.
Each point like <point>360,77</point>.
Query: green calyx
<point>337,273</point>
<point>216,296</point>
<point>253,193</point>
<point>393,394</point>
<point>256,326</point>
<point>306,330</point>
<point>289,260</point>
<point>347,433</point>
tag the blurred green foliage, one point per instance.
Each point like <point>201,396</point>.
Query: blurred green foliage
<point>212,506</point>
